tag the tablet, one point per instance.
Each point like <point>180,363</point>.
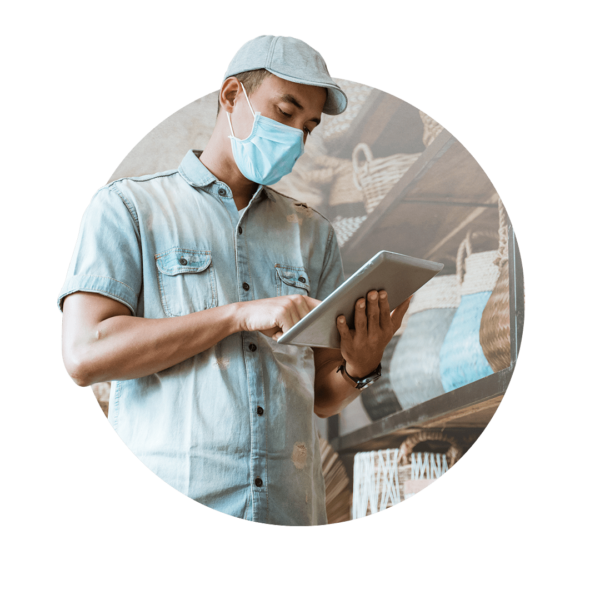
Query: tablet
<point>399,275</point>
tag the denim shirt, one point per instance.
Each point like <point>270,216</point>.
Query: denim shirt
<point>231,427</point>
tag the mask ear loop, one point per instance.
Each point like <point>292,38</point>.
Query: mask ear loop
<point>251,110</point>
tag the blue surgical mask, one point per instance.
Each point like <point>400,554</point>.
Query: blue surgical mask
<point>269,152</point>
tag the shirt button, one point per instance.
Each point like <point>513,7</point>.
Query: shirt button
<point>252,347</point>
<point>239,230</point>
<point>260,410</point>
<point>302,279</point>
<point>182,261</point>
<point>222,192</point>
<point>245,286</point>
<point>258,482</point>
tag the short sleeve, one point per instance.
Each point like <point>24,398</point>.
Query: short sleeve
<point>107,258</point>
<point>332,275</point>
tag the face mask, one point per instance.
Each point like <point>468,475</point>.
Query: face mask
<point>269,152</point>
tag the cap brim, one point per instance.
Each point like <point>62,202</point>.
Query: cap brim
<point>336,102</point>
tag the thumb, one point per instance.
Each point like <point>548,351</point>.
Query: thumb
<point>312,302</point>
<point>399,312</point>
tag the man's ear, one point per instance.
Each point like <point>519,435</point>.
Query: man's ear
<point>229,91</point>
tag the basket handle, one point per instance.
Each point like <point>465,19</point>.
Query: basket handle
<point>359,171</point>
<point>452,454</point>
<point>466,248</point>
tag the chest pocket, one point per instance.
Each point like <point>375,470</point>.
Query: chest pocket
<point>187,281</point>
<point>291,280</point>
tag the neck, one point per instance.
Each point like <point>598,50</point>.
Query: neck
<point>217,157</point>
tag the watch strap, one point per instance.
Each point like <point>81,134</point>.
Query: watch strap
<point>360,382</point>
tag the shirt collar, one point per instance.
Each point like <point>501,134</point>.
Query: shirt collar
<point>197,175</point>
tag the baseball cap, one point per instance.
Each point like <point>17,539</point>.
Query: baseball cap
<point>291,59</point>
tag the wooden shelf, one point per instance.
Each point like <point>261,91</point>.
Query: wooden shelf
<point>415,219</point>
<point>468,407</point>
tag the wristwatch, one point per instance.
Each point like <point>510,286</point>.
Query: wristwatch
<point>360,382</point>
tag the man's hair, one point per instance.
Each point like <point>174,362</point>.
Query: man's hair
<point>250,79</point>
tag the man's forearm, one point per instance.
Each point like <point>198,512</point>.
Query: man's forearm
<point>332,391</point>
<point>126,347</point>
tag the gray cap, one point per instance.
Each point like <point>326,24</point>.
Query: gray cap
<point>291,59</point>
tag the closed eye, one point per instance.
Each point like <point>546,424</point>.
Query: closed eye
<point>306,129</point>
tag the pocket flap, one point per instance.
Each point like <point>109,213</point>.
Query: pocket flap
<point>179,260</point>
<point>294,276</point>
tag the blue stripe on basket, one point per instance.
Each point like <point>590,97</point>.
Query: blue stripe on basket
<point>462,360</point>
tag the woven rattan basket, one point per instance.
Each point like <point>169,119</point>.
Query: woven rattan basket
<point>337,176</point>
<point>383,478</point>
<point>461,357</point>
<point>494,334</point>
<point>431,128</point>
<point>337,484</point>
<point>376,176</point>
<point>102,394</point>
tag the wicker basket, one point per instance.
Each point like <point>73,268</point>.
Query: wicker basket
<point>431,128</point>
<point>383,478</point>
<point>415,366</point>
<point>376,176</point>
<point>337,484</point>
<point>336,174</point>
<point>334,127</point>
<point>346,227</point>
<point>494,334</point>
<point>461,357</point>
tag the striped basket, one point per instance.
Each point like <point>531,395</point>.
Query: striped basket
<point>383,478</point>
<point>376,176</point>
<point>415,366</point>
<point>462,360</point>
<point>494,334</point>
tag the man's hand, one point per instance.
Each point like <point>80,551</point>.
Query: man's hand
<point>274,316</point>
<point>363,346</point>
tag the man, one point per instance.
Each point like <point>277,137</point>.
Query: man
<point>207,398</point>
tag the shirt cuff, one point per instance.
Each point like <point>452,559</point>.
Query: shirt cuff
<point>106,286</point>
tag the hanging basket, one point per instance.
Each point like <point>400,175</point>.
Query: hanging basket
<point>415,365</point>
<point>383,478</point>
<point>462,360</point>
<point>376,176</point>
<point>494,335</point>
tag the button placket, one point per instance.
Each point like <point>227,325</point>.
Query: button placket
<point>253,362</point>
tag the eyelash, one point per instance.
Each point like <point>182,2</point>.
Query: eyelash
<point>288,115</point>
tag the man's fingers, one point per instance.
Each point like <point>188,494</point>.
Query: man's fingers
<point>385,319</point>
<point>373,312</point>
<point>360,316</point>
<point>343,328</point>
<point>398,313</point>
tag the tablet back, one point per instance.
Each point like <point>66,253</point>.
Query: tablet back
<point>399,275</point>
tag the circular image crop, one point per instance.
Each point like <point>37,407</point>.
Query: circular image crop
<point>390,178</point>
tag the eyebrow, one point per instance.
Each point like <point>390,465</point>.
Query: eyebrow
<point>289,98</point>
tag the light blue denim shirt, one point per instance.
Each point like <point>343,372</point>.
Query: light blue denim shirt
<point>231,427</point>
